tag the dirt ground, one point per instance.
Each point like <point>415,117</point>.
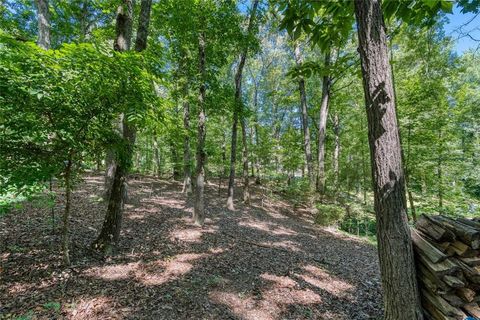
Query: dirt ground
<point>261,262</point>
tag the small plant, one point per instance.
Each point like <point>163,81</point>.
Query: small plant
<point>52,305</point>
<point>329,214</point>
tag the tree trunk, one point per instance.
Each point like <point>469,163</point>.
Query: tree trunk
<point>322,127</point>
<point>43,40</point>
<point>336,152</point>
<point>407,179</point>
<point>304,113</point>
<point>238,113</point>
<point>439,171</point>
<point>66,214</point>
<point>199,207</point>
<point>156,156</point>
<point>143,25</point>
<point>123,30</point>
<point>246,183</point>
<point>233,159</point>
<point>397,266</point>
<point>110,232</point>
<point>176,167</point>
<point>187,182</point>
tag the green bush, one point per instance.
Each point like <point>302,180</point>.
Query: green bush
<point>329,214</point>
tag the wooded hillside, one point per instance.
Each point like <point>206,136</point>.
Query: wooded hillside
<point>355,121</point>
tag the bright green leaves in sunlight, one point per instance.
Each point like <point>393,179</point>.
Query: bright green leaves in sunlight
<point>61,103</point>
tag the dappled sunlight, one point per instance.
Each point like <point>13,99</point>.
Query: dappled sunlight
<point>159,272</point>
<point>285,244</point>
<point>114,272</point>
<point>269,227</point>
<point>281,291</point>
<point>168,202</point>
<point>191,234</point>
<point>97,308</point>
<point>323,280</point>
<point>152,273</point>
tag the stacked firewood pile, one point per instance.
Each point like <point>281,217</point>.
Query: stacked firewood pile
<point>447,252</point>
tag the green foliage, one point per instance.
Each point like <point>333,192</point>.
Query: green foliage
<point>52,305</point>
<point>329,214</point>
<point>60,104</point>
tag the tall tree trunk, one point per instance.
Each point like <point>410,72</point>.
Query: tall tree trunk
<point>364,166</point>
<point>123,30</point>
<point>246,182</point>
<point>257,138</point>
<point>156,156</point>
<point>440,171</point>
<point>66,214</point>
<point>43,13</point>
<point>400,291</point>
<point>238,113</point>
<point>307,148</point>
<point>110,233</point>
<point>187,181</point>
<point>143,25</point>
<point>223,168</point>
<point>336,152</point>
<point>199,207</point>
<point>407,178</point>
<point>322,127</point>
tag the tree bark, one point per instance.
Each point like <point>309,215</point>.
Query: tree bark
<point>156,156</point>
<point>336,152</point>
<point>238,113</point>
<point>187,181</point>
<point>246,182</point>
<point>440,171</point>
<point>43,40</point>
<point>143,25</point>
<point>322,127</point>
<point>117,195</point>
<point>304,114</point>
<point>199,207</point>
<point>66,214</point>
<point>400,291</point>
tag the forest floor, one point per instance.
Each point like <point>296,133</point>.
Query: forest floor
<point>263,261</point>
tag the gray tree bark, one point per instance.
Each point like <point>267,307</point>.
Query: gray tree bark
<point>187,172</point>
<point>199,206</point>
<point>238,113</point>
<point>43,22</point>
<point>117,195</point>
<point>336,151</point>
<point>304,114</point>
<point>399,284</point>
<point>322,127</point>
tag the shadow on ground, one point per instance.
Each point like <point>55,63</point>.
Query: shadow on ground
<point>261,262</point>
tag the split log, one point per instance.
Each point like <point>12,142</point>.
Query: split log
<point>453,282</point>
<point>472,274</point>
<point>466,294</point>
<point>472,262</point>
<point>453,300</point>
<point>446,267</point>
<point>473,309</point>
<point>425,248</point>
<point>466,233</point>
<point>435,231</point>
<point>443,306</point>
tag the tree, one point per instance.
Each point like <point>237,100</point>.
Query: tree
<point>322,124</point>
<point>238,112</point>
<point>122,157</point>
<point>304,115</point>
<point>43,24</point>
<point>199,208</point>
<point>399,282</point>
